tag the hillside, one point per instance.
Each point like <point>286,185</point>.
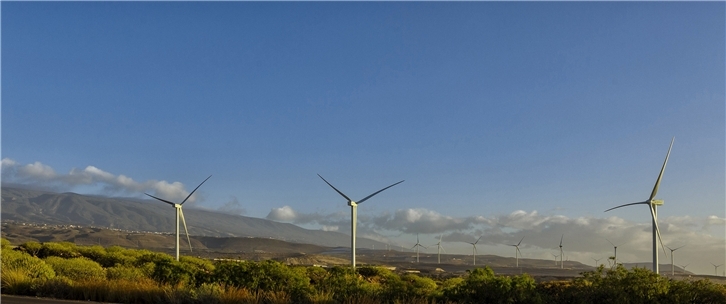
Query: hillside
<point>40,207</point>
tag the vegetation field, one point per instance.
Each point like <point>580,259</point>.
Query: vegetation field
<point>114,274</point>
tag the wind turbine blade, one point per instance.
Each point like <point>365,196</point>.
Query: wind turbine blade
<point>638,203</point>
<point>336,190</point>
<point>195,189</point>
<point>163,200</point>
<point>660,176</point>
<point>657,230</point>
<point>562,237</point>
<point>442,248</point>
<point>520,242</point>
<point>181,212</point>
<point>678,248</point>
<point>477,240</point>
<point>611,243</point>
<point>379,191</point>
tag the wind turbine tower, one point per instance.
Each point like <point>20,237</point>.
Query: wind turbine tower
<point>517,252</point>
<point>715,268</point>
<point>673,268</point>
<point>179,213</point>
<point>653,205</point>
<point>354,214</point>
<point>561,255</point>
<point>473,251</point>
<point>438,250</point>
<point>417,247</point>
<point>615,258</point>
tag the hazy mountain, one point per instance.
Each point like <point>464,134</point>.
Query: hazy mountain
<point>34,206</point>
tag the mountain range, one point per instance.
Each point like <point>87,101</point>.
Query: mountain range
<point>131,214</point>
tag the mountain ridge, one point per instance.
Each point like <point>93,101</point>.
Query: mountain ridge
<point>68,208</point>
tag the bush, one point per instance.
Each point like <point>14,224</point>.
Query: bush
<point>20,272</point>
<point>77,269</point>
<point>120,272</point>
<point>4,243</point>
<point>64,250</point>
<point>31,248</point>
<point>270,276</point>
<point>30,266</point>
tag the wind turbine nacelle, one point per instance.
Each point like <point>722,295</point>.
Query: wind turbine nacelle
<point>352,204</point>
<point>657,202</point>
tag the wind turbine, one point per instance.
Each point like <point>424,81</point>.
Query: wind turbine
<point>597,261</point>
<point>439,248</point>
<point>516,251</point>
<point>715,268</point>
<point>673,269</point>
<point>684,268</point>
<point>554,255</point>
<point>652,205</point>
<point>353,215</point>
<point>561,255</point>
<point>417,246</point>
<point>179,212</point>
<point>473,251</point>
<point>615,258</point>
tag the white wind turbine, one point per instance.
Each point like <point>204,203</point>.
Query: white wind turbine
<point>652,205</point>
<point>556,256</point>
<point>516,251</point>
<point>597,261</point>
<point>673,268</point>
<point>684,268</point>
<point>179,212</point>
<point>615,257</point>
<point>353,215</point>
<point>417,247</point>
<point>715,268</point>
<point>439,248</point>
<point>561,255</point>
<point>473,251</point>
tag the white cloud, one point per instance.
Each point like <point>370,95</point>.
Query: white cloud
<point>330,228</point>
<point>283,214</point>
<point>233,206</point>
<point>43,176</point>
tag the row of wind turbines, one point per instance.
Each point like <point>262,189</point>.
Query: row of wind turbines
<point>651,202</point>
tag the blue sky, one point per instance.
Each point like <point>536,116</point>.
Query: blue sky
<point>531,115</point>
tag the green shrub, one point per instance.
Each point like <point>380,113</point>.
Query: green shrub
<point>120,272</point>
<point>31,248</point>
<point>30,266</point>
<point>20,273</point>
<point>268,276</point>
<point>77,269</point>
<point>64,250</point>
<point>4,243</point>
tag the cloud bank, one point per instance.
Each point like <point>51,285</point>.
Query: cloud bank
<point>43,176</point>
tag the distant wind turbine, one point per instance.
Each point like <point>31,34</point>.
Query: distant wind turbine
<point>673,268</point>
<point>556,256</point>
<point>473,251</point>
<point>715,268</point>
<point>684,268</point>
<point>652,205</point>
<point>597,261</point>
<point>417,247</point>
<point>615,258</point>
<point>439,248</point>
<point>561,254</point>
<point>353,215</point>
<point>179,212</point>
<point>517,252</point>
